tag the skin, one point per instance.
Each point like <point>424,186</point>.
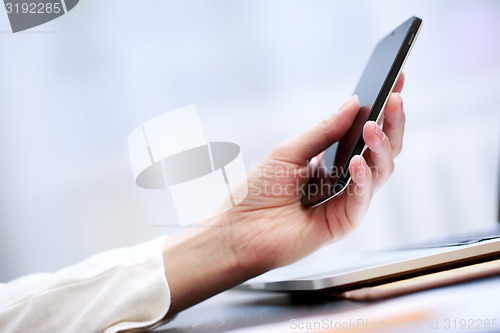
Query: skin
<point>272,229</point>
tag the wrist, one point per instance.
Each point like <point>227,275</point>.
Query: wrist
<point>241,237</point>
<point>200,262</point>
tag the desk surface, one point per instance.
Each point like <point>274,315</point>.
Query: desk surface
<point>474,304</point>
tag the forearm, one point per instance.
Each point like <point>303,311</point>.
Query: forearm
<point>200,263</point>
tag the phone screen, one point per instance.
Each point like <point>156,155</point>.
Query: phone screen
<point>331,176</point>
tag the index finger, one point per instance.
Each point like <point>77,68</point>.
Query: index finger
<point>300,149</point>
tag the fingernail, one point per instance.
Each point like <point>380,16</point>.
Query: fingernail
<point>348,103</point>
<point>363,164</point>
<point>314,162</point>
<point>396,120</point>
<point>400,113</point>
<point>400,100</point>
<point>379,131</point>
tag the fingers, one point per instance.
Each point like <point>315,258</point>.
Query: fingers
<point>345,215</point>
<point>361,176</point>
<point>399,83</point>
<point>394,121</point>
<point>380,156</point>
<point>300,149</point>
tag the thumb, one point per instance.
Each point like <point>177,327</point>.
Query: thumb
<point>300,149</point>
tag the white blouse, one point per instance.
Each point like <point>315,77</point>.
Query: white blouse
<point>112,291</point>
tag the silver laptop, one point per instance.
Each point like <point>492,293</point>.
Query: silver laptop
<point>368,269</point>
<point>372,268</point>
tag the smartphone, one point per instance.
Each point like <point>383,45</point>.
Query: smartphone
<point>331,175</point>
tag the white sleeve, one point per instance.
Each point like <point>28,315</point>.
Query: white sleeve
<point>112,291</point>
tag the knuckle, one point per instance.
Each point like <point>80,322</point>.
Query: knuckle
<point>386,170</point>
<point>396,150</point>
<point>392,166</point>
<point>324,126</point>
<point>282,149</point>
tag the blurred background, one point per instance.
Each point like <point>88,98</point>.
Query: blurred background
<point>259,72</point>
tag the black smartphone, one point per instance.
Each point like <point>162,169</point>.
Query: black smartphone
<point>332,176</point>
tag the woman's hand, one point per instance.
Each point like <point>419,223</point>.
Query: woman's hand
<point>270,227</point>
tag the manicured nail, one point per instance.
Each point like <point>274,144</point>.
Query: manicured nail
<point>314,161</point>
<point>379,131</point>
<point>396,118</point>
<point>363,164</point>
<point>348,103</point>
<point>399,115</point>
<point>400,100</point>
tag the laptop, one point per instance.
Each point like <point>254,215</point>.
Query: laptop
<point>358,270</point>
<point>368,269</point>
